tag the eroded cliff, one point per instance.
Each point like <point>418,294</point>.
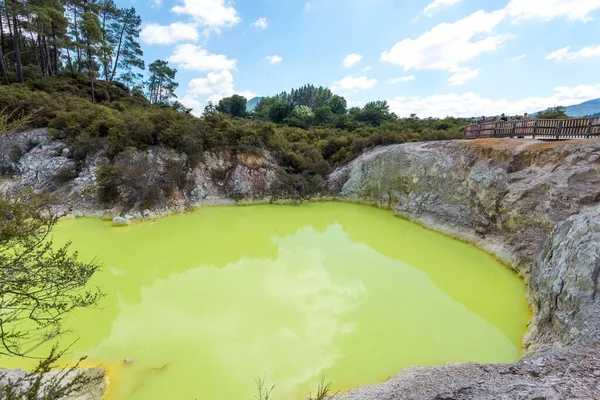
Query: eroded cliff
<point>534,205</point>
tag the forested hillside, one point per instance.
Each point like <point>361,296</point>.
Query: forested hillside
<point>77,67</point>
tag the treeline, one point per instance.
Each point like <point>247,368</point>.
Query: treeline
<point>126,120</point>
<point>79,38</point>
<point>76,66</point>
<point>311,106</point>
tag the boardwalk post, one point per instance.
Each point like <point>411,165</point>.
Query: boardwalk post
<point>535,126</point>
<point>513,129</point>
<point>589,128</point>
<point>559,129</point>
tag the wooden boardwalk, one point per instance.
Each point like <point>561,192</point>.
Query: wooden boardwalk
<point>544,129</point>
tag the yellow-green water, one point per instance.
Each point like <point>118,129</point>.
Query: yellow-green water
<point>205,302</point>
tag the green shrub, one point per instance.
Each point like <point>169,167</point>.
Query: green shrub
<point>122,120</point>
<point>108,183</point>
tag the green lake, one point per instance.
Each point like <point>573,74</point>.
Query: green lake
<point>207,301</point>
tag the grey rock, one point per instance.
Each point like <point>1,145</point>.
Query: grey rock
<point>21,381</point>
<point>532,206</point>
<point>13,146</point>
<point>121,221</point>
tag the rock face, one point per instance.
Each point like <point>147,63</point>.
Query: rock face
<point>158,178</point>
<point>564,285</point>
<point>513,191</point>
<point>52,382</point>
<point>535,205</point>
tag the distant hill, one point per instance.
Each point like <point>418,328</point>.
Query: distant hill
<point>252,103</point>
<point>591,107</point>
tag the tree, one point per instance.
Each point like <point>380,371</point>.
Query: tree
<point>161,84</point>
<point>375,113</point>
<point>279,111</point>
<point>210,108</point>
<point>308,95</point>
<point>300,117</point>
<point>3,71</point>
<point>39,283</point>
<point>16,37</point>
<point>235,106</point>
<point>128,53</point>
<point>557,112</point>
<point>73,40</point>
<point>107,15</point>
<point>324,115</point>
<point>46,18</point>
<point>91,34</point>
<point>338,105</point>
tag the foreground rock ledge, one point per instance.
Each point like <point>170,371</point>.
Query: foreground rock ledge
<point>534,205</point>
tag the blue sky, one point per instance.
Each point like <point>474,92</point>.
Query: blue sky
<point>429,57</point>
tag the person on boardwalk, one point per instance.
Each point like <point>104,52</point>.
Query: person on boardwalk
<point>473,121</point>
<point>483,120</point>
<point>525,117</point>
<point>503,117</point>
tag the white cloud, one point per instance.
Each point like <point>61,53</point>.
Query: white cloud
<point>566,54</point>
<point>354,84</point>
<point>573,10</point>
<point>438,3</point>
<point>214,87</point>
<point>193,103</point>
<point>460,76</point>
<point>402,79</point>
<point>307,6</point>
<point>189,56</point>
<point>352,59</point>
<point>169,34</point>
<point>446,46</point>
<point>449,45</point>
<point>212,13</point>
<point>260,23</point>
<point>274,59</point>
<point>215,82</point>
<point>470,104</point>
<point>367,68</point>
<point>520,57</point>
<point>156,3</point>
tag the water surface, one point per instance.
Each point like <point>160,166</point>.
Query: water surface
<point>205,302</point>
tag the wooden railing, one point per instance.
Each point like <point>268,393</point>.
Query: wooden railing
<point>557,129</point>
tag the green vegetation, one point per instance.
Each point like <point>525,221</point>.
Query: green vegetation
<point>81,74</point>
<point>557,112</point>
<point>307,144</point>
<point>265,392</point>
<point>39,286</point>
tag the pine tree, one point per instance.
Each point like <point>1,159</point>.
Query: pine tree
<point>161,85</point>
<point>14,10</point>
<point>47,19</point>
<point>107,14</point>
<point>91,34</point>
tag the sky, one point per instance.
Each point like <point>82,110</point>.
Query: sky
<point>428,57</point>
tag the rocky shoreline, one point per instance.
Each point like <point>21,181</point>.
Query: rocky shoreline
<point>534,205</point>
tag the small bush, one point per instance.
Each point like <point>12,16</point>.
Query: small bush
<point>108,183</point>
